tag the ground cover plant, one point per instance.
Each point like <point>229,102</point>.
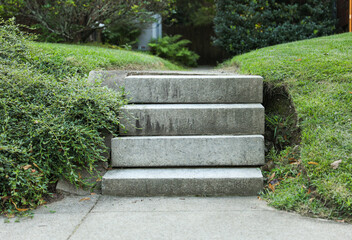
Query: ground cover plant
<point>315,177</point>
<point>51,118</point>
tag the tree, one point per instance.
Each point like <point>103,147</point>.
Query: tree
<point>75,20</point>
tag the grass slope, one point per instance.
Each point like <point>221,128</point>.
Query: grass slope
<point>318,76</point>
<point>88,58</point>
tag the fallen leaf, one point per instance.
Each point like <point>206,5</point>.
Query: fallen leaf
<point>19,209</point>
<point>260,198</point>
<point>37,167</point>
<point>313,163</point>
<point>33,170</point>
<point>341,221</point>
<point>271,177</point>
<point>335,164</point>
<point>300,59</point>
<point>93,193</point>
<point>84,199</point>
<point>27,167</point>
<point>272,187</point>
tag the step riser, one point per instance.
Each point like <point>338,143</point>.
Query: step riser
<point>188,151</point>
<point>181,89</point>
<point>221,183</point>
<point>172,120</point>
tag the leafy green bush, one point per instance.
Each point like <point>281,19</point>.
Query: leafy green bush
<point>50,123</point>
<point>174,49</point>
<point>244,25</point>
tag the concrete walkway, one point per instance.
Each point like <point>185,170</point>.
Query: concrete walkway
<point>104,217</point>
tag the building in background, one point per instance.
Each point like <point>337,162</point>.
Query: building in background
<point>150,31</point>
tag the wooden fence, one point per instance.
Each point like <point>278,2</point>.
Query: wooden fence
<point>342,14</point>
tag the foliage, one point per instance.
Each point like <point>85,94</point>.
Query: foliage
<point>196,13</point>
<point>50,126</point>
<point>121,33</point>
<point>174,49</point>
<point>281,130</point>
<point>317,74</point>
<point>244,25</point>
<point>51,117</point>
<point>76,20</point>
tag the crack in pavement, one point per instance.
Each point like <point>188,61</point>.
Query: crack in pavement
<point>84,218</point>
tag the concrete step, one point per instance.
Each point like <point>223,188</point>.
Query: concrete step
<point>182,182</point>
<point>194,89</point>
<point>192,119</point>
<point>185,151</point>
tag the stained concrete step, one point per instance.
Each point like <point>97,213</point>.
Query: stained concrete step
<point>192,119</point>
<point>183,182</point>
<point>183,151</point>
<point>193,89</point>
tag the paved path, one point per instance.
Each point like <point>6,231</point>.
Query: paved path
<point>104,217</point>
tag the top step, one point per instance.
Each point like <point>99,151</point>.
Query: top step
<point>189,88</point>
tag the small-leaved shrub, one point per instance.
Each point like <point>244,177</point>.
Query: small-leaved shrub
<point>174,49</point>
<point>50,123</point>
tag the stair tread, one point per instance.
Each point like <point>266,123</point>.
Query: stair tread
<point>195,106</point>
<point>183,182</point>
<point>182,173</point>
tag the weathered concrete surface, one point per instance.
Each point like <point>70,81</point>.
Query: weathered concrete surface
<point>55,221</point>
<point>114,79</point>
<point>183,182</point>
<point>169,151</point>
<point>244,218</point>
<point>194,89</point>
<point>192,119</point>
<point>223,218</point>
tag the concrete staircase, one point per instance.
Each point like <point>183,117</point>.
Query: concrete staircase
<point>188,134</point>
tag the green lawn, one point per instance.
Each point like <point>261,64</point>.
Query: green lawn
<point>318,76</point>
<point>88,58</point>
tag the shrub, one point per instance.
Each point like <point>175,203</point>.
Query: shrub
<point>244,25</point>
<point>50,125</point>
<point>174,49</point>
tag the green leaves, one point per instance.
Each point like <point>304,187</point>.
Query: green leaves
<point>245,25</point>
<point>50,125</point>
<point>174,49</point>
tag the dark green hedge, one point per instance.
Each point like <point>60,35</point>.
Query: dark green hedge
<point>244,25</point>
